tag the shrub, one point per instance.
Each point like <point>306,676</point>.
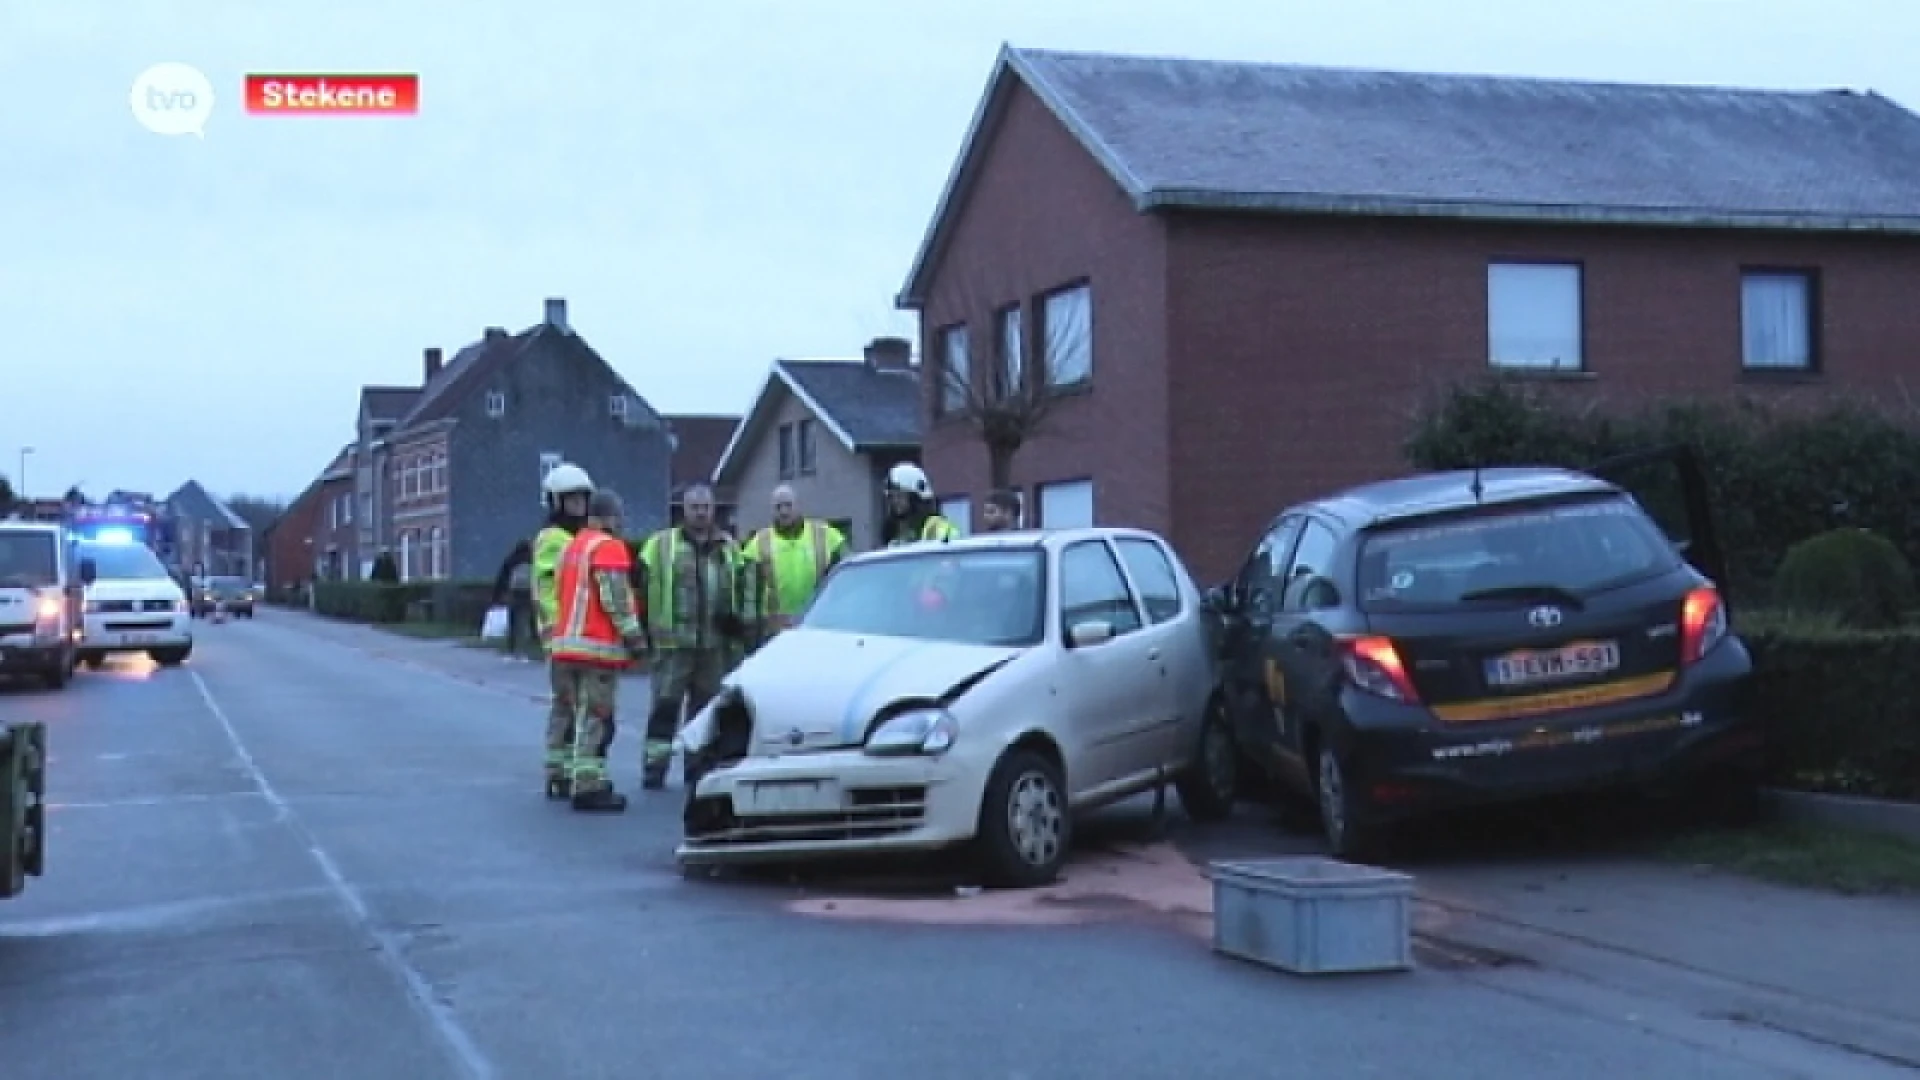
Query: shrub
<point>1858,577</point>
<point>1840,706</point>
<point>418,601</point>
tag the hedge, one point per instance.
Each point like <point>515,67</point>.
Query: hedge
<point>1840,706</point>
<point>414,601</point>
<point>1780,471</point>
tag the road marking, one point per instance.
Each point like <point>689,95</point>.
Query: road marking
<point>466,1053</point>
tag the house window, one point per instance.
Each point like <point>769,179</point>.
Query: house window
<point>496,403</point>
<point>437,476</point>
<point>1067,505</point>
<point>809,448</point>
<point>959,510</point>
<point>1776,320</point>
<point>956,371</point>
<point>406,555</point>
<point>1013,356</point>
<point>617,406</point>
<point>437,553</point>
<point>1066,322</point>
<point>549,461</point>
<point>787,453</point>
<point>366,508</point>
<point>1534,318</point>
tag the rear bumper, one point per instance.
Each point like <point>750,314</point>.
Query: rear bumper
<point>1407,762</point>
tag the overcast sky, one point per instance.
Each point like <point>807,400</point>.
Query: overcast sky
<point>708,190</point>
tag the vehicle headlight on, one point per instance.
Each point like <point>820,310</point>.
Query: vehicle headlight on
<point>915,731</point>
<point>47,609</point>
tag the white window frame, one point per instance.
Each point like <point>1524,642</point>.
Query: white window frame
<point>496,403</point>
<point>617,406</point>
<point>436,553</point>
<point>549,461</point>
<point>956,370</point>
<point>1536,316</point>
<point>1778,313</point>
<point>1066,336</point>
<point>1048,493</point>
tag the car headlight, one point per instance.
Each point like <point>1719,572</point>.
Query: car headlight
<point>916,731</point>
<point>48,609</point>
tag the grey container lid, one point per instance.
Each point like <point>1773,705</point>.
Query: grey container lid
<point>1311,872</point>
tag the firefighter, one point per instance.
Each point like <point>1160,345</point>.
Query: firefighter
<point>700,616</point>
<point>596,636</point>
<point>567,491</point>
<point>789,559</point>
<point>912,516</point>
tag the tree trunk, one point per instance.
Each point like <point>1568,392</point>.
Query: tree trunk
<point>1000,465</point>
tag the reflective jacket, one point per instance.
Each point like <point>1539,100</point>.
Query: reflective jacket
<point>687,595</point>
<point>934,530</point>
<point>595,619</point>
<point>548,546</point>
<point>788,569</point>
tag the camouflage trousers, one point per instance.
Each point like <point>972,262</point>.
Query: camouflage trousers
<point>682,679</point>
<point>580,723</point>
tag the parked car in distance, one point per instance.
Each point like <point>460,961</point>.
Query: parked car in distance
<point>133,605</point>
<point>237,594</point>
<point>982,692</point>
<point>1480,636</point>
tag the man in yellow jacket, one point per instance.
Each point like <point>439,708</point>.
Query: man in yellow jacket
<point>567,491</point>
<point>789,559</point>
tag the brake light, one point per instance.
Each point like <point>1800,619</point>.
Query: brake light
<point>1703,624</point>
<point>1373,665</point>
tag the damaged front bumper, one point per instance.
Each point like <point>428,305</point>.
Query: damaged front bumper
<point>830,803</point>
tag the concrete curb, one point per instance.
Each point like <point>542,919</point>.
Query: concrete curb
<point>1884,816</point>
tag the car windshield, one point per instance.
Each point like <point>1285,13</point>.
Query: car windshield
<point>123,562</point>
<point>1521,556</point>
<point>229,583</point>
<point>28,560</point>
<point>986,597</point>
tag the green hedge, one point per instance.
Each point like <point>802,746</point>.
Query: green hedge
<point>1779,474</point>
<point>1841,706</point>
<point>414,601</point>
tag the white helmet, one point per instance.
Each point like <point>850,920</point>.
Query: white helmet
<point>909,478</point>
<point>564,480</point>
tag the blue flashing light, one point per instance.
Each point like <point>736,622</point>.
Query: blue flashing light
<point>113,535</point>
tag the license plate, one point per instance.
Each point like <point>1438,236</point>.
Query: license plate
<point>138,639</point>
<point>791,797</point>
<point>1527,667</point>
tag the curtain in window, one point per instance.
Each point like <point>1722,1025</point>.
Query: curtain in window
<point>1067,324</point>
<point>1533,316</point>
<point>1776,321</point>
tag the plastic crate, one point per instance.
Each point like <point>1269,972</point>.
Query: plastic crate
<point>1313,916</point>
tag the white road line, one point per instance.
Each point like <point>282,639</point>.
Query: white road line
<point>465,1052</point>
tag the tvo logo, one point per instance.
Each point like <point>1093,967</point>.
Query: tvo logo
<point>172,99</point>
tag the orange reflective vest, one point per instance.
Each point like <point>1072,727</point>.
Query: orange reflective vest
<point>583,632</point>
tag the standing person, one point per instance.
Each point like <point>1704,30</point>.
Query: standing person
<point>513,589</point>
<point>567,491</point>
<point>700,611</point>
<point>596,636</point>
<point>1001,512</point>
<point>912,516</point>
<point>789,559</point>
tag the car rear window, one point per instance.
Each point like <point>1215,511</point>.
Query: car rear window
<point>1580,547</point>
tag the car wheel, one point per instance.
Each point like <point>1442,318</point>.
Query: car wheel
<point>56,676</point>
<point>1025,824</point>
<point>93,661</point>
<point>1347,836</point>
<point>1210,786</point>
<point>171,657</point>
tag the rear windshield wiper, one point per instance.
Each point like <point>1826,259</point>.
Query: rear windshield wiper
<point>1524,593</point>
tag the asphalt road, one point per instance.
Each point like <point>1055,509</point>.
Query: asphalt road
<point>295,859</point>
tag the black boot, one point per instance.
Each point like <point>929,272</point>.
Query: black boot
<point>604,800</point>
<point>654,777</point>
<point>558,786</point>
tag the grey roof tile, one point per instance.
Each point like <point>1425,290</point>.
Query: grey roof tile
<point>193,501</point>
<point>877,409</point>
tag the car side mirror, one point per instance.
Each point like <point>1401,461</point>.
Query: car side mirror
<point>1092,632</point>
<point>89,571</point>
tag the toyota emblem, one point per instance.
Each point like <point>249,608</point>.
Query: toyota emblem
<point>1544,617</point>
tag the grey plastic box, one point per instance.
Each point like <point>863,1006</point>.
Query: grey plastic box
<point>1313,916</point>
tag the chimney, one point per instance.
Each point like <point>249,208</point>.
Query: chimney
<point>433,360</point>
<point>557,313</point>
<point>496,335</point>
<point>890,354</point>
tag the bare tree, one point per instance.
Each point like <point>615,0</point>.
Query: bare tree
<point>1008,400</point>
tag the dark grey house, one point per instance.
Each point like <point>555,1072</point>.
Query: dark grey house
<point>371,512</point>
<point>210,537</point>
<point>463,468</point>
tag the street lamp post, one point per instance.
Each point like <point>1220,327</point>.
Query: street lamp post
<point>25,452</point>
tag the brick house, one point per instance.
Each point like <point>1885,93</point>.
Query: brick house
<point>335,536</point>
<point>698,442</point>
<point>831,428</point>
<point>1274,264</point>
<point>463,466</point>
<point>210,537</point>
<point>381,407</point>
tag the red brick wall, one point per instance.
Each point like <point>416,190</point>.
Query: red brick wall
<point>341,538</point>
<point>290,552</point>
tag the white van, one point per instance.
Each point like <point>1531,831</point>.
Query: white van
<point>41,593</point>
<point>132,605</point>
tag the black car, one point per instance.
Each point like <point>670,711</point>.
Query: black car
<point>236,594</point>
<point>1482,636</point>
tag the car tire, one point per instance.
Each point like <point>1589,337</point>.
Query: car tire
<point>1025,822</point>
<point>171,657</point>
<point>1210,786</point>
<point>93,661</point>
<point>57,676</point>
<point>1348,836</point>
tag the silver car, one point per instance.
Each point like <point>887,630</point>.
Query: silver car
<point>983,692</point>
